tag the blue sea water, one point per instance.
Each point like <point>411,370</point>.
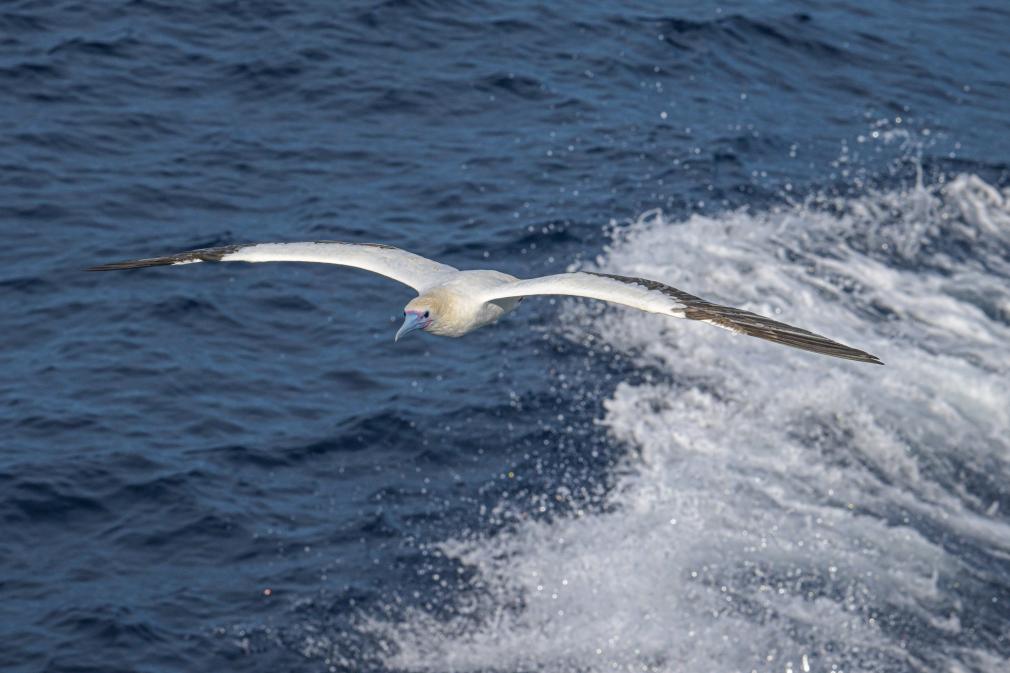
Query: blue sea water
<point>233,468</point>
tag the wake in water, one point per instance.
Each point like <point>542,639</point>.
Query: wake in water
<point>777,512</point>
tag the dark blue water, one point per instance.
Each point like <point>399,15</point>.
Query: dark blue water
<point>227,467</point>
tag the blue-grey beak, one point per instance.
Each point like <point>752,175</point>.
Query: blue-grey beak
<point>412,320</point>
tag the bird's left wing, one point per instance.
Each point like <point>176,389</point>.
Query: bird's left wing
<point>418,272</point>
<point>654,297</point>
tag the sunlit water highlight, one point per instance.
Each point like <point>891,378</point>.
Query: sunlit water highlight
<point>777,512</point>
<point>225,467</point>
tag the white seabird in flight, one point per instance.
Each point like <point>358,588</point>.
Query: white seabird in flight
<point>452,303</point>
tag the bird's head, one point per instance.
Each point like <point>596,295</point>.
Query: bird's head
<point>418,314</point>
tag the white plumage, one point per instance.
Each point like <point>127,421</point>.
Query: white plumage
<point>451,302</point>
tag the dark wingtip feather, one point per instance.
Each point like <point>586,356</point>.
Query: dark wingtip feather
<point>133,264</point>
<point>751,324</point>
<point>744,322</point>
<point>202,255</point>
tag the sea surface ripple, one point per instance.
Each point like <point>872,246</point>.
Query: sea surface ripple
<point>221,467</point>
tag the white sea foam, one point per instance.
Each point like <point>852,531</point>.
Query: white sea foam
<point>779,511</point>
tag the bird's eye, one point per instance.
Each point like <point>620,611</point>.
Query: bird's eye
<point>426,314</point>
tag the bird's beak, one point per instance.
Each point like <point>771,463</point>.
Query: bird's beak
<point>411,321</point>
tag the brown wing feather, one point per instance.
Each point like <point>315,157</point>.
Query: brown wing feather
<point>202,255</point>
<point>751,324</point>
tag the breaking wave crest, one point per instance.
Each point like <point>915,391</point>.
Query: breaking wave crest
<point>777,511</point>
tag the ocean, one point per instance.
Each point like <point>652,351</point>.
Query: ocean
<point>234,468</point>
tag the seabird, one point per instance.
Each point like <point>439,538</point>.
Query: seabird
<point>452,303</point>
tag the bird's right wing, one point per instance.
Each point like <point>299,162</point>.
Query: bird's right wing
<point>418,272</point>
<point>654,297</point>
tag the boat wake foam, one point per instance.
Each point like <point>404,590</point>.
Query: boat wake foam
<point>778,511</point>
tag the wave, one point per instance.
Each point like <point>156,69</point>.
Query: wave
<point>775,510</point>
